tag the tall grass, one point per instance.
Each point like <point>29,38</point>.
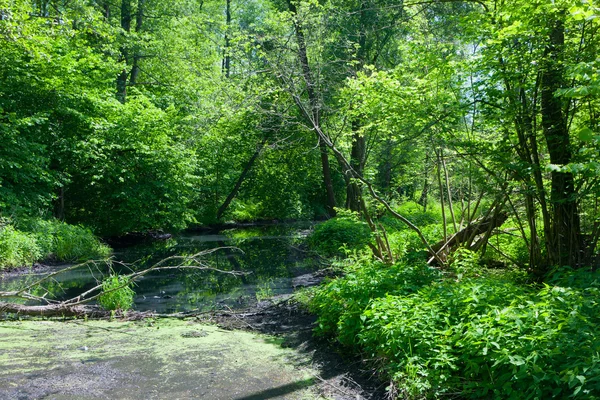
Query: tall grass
<point>37,239</point>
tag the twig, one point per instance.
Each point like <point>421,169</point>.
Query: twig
<point>357,396</point>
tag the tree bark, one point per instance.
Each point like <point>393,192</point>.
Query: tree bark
<point>226,65</point>
<point>565,243</point>
<point>139,20</point>
<point>53,310</point>
<point>314,105</point>
<point>358,152</point>
<point>126,27</point>
<point>357,162</point>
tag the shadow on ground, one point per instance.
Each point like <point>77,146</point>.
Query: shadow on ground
<point>337,377</point>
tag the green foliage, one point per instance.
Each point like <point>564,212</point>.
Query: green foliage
<point>37,239</point>
<point>465,263</point>
<point>342,233</point>
<point>482,337</point>
<point>414,212</point>
<point>263,290</point>
<point>117,293</point>
<point>341,302</point>
<point>51,69</point>
<point>131,175</point>
<point>66,242</point>
<point>17,248</point>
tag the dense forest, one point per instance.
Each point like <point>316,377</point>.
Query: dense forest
<point>452,146</point>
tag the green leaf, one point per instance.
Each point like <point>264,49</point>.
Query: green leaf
<point>586,135</point>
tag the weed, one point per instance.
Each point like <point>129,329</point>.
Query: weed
<point>117,293</point>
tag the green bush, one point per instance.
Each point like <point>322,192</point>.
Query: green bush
<point>414,212</point>
<point>482,337</point>
<point>66,242</point>
<point>340,303</point>
<point>37,239</point>
<point>117,293</point>
<point>17,248</point>
<point>344,232</point>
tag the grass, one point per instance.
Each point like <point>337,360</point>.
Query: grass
<point>35,240</point>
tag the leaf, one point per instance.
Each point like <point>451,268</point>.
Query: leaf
<point>586,135</point>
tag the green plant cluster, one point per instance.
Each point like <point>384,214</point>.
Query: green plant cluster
<point>117,293</point>
<point>340,234</point>
<point>481,337</point>
<point>341,302</point>
<point>17,248</point>
<point>36,239</point>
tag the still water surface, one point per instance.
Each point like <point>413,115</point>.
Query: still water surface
<point>272,254</point>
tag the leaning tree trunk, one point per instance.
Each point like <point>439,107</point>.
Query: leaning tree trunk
<point>241,178</point>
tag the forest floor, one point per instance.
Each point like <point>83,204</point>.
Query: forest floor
<point>263,353</point>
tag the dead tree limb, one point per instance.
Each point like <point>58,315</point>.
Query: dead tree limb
<point>466,236</point>
<point>77,306</point>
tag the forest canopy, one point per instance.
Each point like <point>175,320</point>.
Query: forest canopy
<point>143,115</point>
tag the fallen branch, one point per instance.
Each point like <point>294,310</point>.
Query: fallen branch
<point>465,236</point>
<point>76,306</point>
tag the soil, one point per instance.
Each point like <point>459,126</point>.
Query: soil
<point>37,268</point>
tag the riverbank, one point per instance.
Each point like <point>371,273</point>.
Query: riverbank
<point>167,358</point>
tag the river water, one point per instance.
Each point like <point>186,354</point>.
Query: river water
<point>273,255</point>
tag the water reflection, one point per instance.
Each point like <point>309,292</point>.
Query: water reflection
<point>272,254</point>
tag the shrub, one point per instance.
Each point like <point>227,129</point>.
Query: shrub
<point>66,242</point>
<point>117,293</point>
<point>38,239</point>
<point>17,248</point>
<point>340,303</point>
<point>414,212</point>
<point>464,262</point>
<point>482,337</point>
<point>345,231</point>
<point>487,338</point>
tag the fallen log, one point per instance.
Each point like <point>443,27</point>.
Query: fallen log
<point>54,310</point>
<point>79,306</point>
<point>466,236</point>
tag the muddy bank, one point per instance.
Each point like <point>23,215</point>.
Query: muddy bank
<point>341,376</point>
<point>37,268</point>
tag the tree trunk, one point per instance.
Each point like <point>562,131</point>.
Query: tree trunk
<point>357,162</point>
<point>241,179</point>
<point>106,11</point>
<point>314,105</point>
<point>53,310</point>
<point>424,199</point>
<point>226,64</point>
<point>139,20</point>
<point>126,26</point>
<point>564,245</point>
<point>358,152</point>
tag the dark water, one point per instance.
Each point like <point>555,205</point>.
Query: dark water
<point>271,254</point>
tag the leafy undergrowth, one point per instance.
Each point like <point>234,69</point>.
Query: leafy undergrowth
<point>471,336</point>
<point>40,239</point>
<point>340,234</point>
